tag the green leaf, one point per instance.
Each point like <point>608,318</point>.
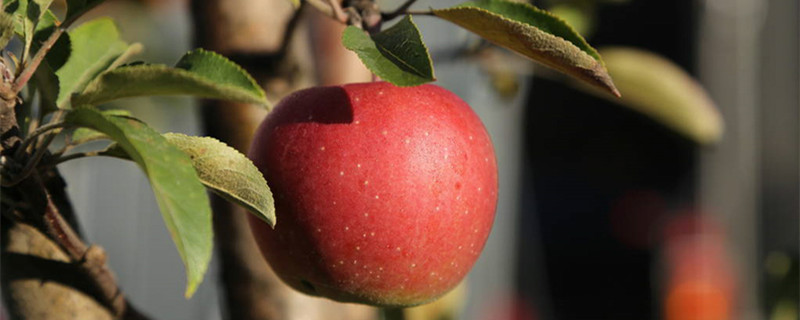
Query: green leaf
<point>534,33</point>
<point>95,46</point>
<point>228,173</point>
<point>199,73</point>
<point>26,15</point>
<point>76,8</point>
<point>659,89</point>
<point>397,54</point>
<point>180,195</point>
<point>83,134</point>
<point>6,28</point>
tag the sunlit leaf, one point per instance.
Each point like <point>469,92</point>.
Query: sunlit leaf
<point>533,33</point>
<point>26,16</point>
<point>228,173</point>
<point>95,45</point>
<point>6,28</point>
<point>199,73</point>
<point>181,197</point>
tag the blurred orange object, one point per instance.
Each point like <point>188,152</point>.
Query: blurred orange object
<point>699,282</point>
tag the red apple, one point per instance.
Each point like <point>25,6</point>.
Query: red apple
<point>384,195</point>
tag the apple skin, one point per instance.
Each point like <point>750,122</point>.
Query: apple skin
<point>384,195</point>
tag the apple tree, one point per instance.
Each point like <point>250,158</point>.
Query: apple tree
<point>58,76</point>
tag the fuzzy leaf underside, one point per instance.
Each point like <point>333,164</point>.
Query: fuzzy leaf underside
<point>181,197</point>
<point>397,54</point>
<point>199,73</point>
<point>659,89</point>
<point>533,33</point>
<point>228,173</point>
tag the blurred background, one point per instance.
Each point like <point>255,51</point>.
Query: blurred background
<point>606,211</point>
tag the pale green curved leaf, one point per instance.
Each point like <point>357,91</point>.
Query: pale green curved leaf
<point>228,173</point>
<point>181,197</point>
<point>533,33</point>
<point>95,45</point>
<point>659,89</point>
<point>199,73</point>
<point>397,54</point>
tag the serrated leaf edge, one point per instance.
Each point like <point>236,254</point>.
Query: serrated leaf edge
<point>227,61</point>
<point>592,72</point>
<point>241,94</point>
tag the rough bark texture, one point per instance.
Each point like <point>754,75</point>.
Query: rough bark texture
<point>252,33</point>
<point>39,282</point>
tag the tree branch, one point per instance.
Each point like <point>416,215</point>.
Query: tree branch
<point>401,10</point>
<point>91,260</point>
<point>29,69</point>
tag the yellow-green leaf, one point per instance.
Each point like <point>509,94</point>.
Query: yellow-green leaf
<point>659,89</point>
<point>228,173</point>
<point>533,33</point>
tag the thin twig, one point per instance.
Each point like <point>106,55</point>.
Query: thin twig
<point>31,138</point>
<point>401,10</point>
<point>69,157</point>
<point>421,13</point>
<point>40,150</point>
<point>91,259</point>
<point>29,69</point>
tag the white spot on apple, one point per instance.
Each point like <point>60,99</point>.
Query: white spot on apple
<point>321,148</point>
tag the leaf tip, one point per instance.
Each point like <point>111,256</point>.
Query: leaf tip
<point>191,288</point>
